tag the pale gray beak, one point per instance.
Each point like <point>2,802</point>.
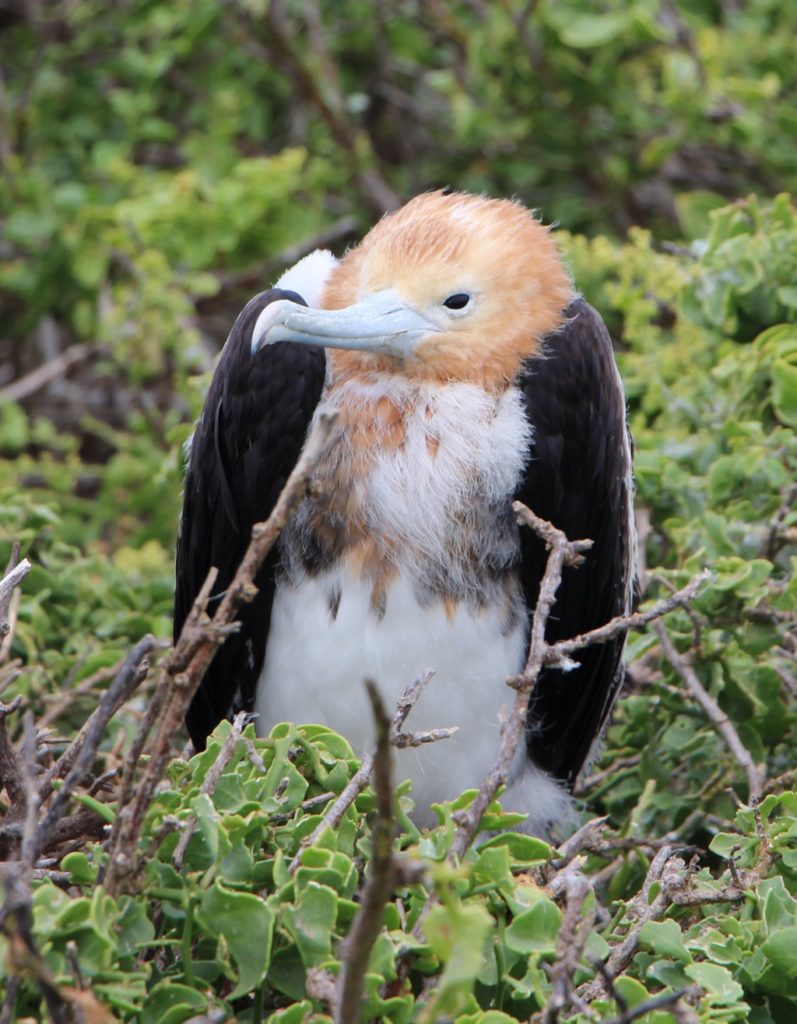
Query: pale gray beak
<point>382,323</point>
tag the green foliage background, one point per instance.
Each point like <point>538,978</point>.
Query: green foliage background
<point>160,163</point>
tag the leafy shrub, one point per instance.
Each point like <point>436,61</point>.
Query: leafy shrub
<point>158,168</point>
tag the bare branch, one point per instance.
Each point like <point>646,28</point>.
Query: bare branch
<point>570,942</point>
<point>13,577</point>
<point>641,910</point>
<point>379,881</point>
<point>81,757</point>
<point>362,776</point>
<point>621,623</point>
<point>183,670</point>
<point>210,782</point>
<point>130,674</point>
<point>48,372</point>
<point>562,552</point>
<point>755,773</point>
<point>11,773</point>
<point>667,1001</point>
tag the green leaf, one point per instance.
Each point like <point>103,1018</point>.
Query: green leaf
<point>631,990</point>
<point>781,950</point>
<point>456,933</point>
<point>589,30</point>
<point>784,391</point>
<point>527,850</point>
<point>716,980</point>
<point>172,1003</point>
<point>536,929</point>
<point>311,923</point>
<point>246,925</point>
<point>664,938</point>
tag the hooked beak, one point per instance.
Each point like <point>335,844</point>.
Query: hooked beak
<point>382,323</point>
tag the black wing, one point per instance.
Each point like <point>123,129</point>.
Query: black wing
<point>246,443</point>
<point>578,479</point>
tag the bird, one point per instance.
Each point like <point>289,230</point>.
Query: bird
<point>465,372</point>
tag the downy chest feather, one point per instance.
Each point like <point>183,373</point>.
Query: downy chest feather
<point>417,479</point>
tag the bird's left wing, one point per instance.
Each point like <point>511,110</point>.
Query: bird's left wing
<point>246,443</point>
<point>579,479</point>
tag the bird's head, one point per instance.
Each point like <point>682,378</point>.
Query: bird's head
<point>450,287</point>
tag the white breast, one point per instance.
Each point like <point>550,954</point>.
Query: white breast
<point>422,496</point>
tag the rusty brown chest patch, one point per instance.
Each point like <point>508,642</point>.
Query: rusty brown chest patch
<point>416,480</point>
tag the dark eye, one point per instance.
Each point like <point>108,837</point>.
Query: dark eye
<point>458,301</point>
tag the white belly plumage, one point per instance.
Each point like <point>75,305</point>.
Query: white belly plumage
<point>435,498</point>
<point>315,668</point>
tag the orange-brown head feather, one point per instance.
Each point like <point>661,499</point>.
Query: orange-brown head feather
<point>493,250</point>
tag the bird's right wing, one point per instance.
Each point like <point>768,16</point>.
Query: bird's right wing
<point>246,443</point>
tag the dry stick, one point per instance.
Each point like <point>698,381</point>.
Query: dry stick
<point>80,825</point>
<point>120,859</point>
<point>562,552</point>
<point>210,782</point>
<point>668,1001</point>
<point>58,703</point>
<point>13,560</point>
<point>381,873</point>
<point>778,520</point>
<point>323,239</point>
<point>362,776</point>
<point>755,774</point>
<point>11,776</point>
<point>46,374</point>
<point>29,852</point>
<point>642,910</point>
<point>13,578</point>
<point>18,901</point>
<point>563,648</point>
<point>570,944</point>
<point>155,706</point>
<point>82,759</point>
<point>204,638</point>
<point>131,673</point>
<point>8,623</point>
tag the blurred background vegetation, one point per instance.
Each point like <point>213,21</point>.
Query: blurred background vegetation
<point>161,162</point>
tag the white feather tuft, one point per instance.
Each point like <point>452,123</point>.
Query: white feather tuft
<point>309,276</point>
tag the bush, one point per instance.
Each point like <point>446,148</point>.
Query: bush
<point>160,164</point>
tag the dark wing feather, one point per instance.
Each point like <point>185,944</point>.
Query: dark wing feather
<point>246,443</point>
<point>578,479</point>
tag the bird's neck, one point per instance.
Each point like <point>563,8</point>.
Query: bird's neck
<point>415,479</point>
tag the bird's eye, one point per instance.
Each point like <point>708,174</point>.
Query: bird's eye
<point>458,301</point>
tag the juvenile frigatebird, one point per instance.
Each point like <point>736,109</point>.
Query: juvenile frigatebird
<point>466,372</point>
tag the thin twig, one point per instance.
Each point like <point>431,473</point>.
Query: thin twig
<point>339,229</point>
<point>379,881</point>
<point>117,693</point>
<point>641,910</point>
<point>12,579</point>
<point>359,781</point>
<point>621,623</point>
<point>562,552</point>
<point>131,673</point>
<point>47,373</point>
<point>210,782</point>
<point>11,774</point>
<point>570,942</point>
<point>755,774</point>
<point>180,676</point>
